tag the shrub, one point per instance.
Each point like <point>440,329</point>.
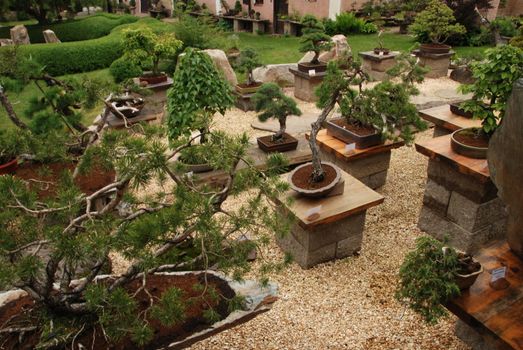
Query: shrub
<point>505,26</point>
<point>347,23</point>
<point>123,69</point>
<point>199,33</point>
<point>434,24</point>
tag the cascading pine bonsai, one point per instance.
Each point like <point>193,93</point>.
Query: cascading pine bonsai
<point>314,38</point>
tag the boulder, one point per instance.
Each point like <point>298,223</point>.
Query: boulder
<point>50,37</point>
<point>462,74</point>
<point>275,73</point>
<point>341,48</point>
<point>222,63</point>
<point>19,35</point>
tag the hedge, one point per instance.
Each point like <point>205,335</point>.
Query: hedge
<point>85,56</point>
<point>88,28</point>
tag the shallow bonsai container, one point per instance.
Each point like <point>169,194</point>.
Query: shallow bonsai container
<point>456,109</point>
<point>151,79</point>
<point>305,67</point>
<point>477,151</point>
<point>9,167</point>
<point>288,143</point>
<point>434,48</point>
<point>337,128</point>
<point>333,174</point>
<point>245,89</point>
<point>197,168</point>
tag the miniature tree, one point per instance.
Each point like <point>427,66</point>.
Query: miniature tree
<point>435,24</point>
<point>272,103</point>
<point>247,62</point>
<point>144,47</point>
<point>238,7</point>
<point>314,38</point>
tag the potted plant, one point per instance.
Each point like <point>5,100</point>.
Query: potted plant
<point>372,115</point>
<point>237,7</point>
<point>494,78</point>
<point>10,148</point>
<point>380,50</point>
<point>316,40</point>
<point>272,103</point>
<point>433,26</point>
<point>432,274</point>
<point>145,48</point>
<point>257,16</point>
<point>197,94</point>
<point>247,62</point>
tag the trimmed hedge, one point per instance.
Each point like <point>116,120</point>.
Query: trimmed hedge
<point>88,28</point>
<point>89,55</point>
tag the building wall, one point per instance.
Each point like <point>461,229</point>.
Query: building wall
<point>319,8</point>
<point>513,8</point>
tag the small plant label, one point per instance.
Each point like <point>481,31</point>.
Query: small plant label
<point>351,147</point>
<point>312,72</point>
<point>313,213</point>
<point>189,174</point>
<point>498,273</point>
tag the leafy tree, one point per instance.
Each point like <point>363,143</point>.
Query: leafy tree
<point>42,10</point>
<point>247,62</point>
<point>198,92</point>
<point>272,103</point>
<point>145,48</point>
<point>435,23</point>
<point>494,78</point>
<point>314,38</point>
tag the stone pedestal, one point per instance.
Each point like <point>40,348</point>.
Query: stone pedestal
<point>376,66</point>
<point>258,27</point>
<point>291,28</point>
<point>305,84</point>
<point>236,25</point>
<point>460,200</point>
<point>243,102</point>
<point>437,63</point>
<point>337,232</point>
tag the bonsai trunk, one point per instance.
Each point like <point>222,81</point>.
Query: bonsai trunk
<point>156,63</point>
<point>250,78</point>
<point>10,111</point>
<point>316,58</point>
<point>283,126</point>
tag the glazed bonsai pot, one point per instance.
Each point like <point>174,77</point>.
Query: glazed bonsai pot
<point>9,167</point>
<point>434,48</point>
<point>469,142</point>
<point>466,281</point>
<point>321,190</point>
<point>245,89</point>
<point>456,109</point>
<point>307,66</point>
<point>287,143</point>
<point>151,79</point>
<point>338,128</point>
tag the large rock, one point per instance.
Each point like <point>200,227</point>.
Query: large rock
<point>505,156</point>
<point>462,74</point>
<point>6,42</point>
<point>341,48</point>
<point>275,73</point>
<point>50,37</point>
<point>222,63</point>
<point>19,35</point>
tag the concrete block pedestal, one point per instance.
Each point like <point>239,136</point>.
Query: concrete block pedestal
<point>243,101</point>
<point>338,231</point>
<point>376,65</point>
<point>438,63</point>
<point>305,84</point>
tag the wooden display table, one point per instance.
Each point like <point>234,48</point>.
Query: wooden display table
<point>496,315</point>
<point>368,165</point>
<point>305,85</point>
<point>338,230</point>
<point>460,199</point>
<point>447,122</point>
<point>376,66</point>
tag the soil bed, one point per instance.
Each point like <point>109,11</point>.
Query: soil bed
<point>303,177</point>
<point>471,138</point>
<point>194,322</point>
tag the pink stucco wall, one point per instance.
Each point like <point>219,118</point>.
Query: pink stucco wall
<point>319,8</point>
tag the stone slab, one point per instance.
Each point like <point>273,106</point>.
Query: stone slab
<point>305,85</point>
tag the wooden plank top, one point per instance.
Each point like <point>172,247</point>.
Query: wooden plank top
<point>500,312</point>
<point>439,148</point>
<point>356,198</point>
<point>337,147</point>
<point>443,117</point>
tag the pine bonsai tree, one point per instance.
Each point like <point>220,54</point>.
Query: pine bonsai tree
<point>247,62</point>
<point>272,103</point>
<point>314,38</point>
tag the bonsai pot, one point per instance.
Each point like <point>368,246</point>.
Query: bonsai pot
<point>151,79</point>
<point>197,168</point>
<point>456,109</point>
<point>9,167</point>
<point>470,142</point>
<point>299,180</point>
<point>129,109</point>
<point>307,66</point>
<point>464,281</point>
<point>377,51</point>
<point>434,48</point>
<point>363,138</point>
<point>245,89</point>
<point>287,143</point>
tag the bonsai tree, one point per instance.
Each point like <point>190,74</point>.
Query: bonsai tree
<point>143,47</point>
<point>247,62</point>
<point>494,78</point>
<point>436,24</point>
<point>272,103</point>
<point>238,7</point>
<point>427,278</point>
<point>314,38</point>
<point>11,146</point>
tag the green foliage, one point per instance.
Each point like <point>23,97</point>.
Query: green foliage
<point>238,7</point>
<point>198,92</point>
<point>436,23</point>
<point>145,48</point>
<point>347,23</point>
<point>247,62</point>
<point>10,146</point>
<point>273,103</point>
<point>123,69</point>
<point>314,37</point>
<point>427,279</point>
<point>506,26</point>
<point>170,309</point>
<point>494,77</point>
<point>200,33</point>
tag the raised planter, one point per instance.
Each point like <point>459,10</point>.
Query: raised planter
<point>435,48</point>
<point>470,142</point>
<point>153,79</point>
<point>299,180</point>
<point>244,89</point>
<point>287,143</point>
<point>9,167</point>
<point>339,129</point>
<point>305,67</point>
<point>456,109</point>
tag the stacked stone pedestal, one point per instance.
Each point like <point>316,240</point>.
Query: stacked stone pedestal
<point>437,63</point>
<point>305,84</point>
<point>243,102</point>
<point>460,207</point>
<point>323,243</point>
<point>376,65</point>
